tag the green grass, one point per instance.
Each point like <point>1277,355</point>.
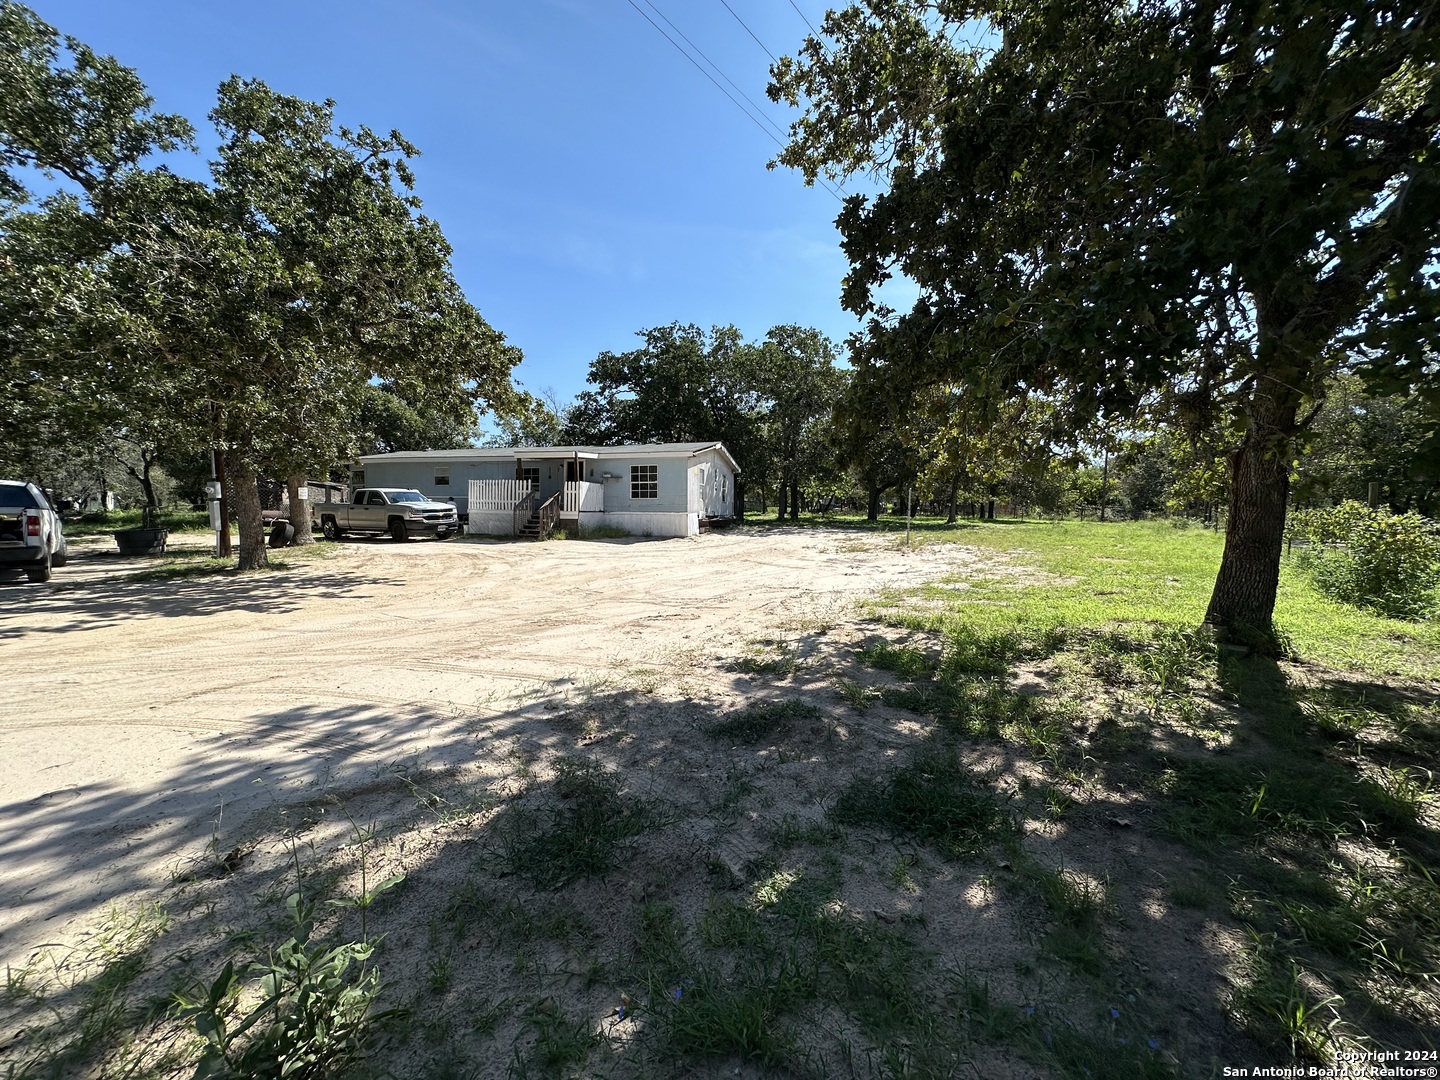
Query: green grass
<point>183,565</point>
<point>1097,576</point>
<point>83,1004</point>
<point>579,830</point>
<point>934,798</point>
<point>101,523</point>
<point>1290,804</point>
<point>759,722</point>
<point>1323,761</point>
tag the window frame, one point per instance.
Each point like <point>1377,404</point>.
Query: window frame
<point>639,482</point>
<point>442,475</point>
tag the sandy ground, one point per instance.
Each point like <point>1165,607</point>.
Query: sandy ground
<point>143,718</point>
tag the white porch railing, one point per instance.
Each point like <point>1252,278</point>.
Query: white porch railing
<point>497,494</point>
<point>582,496</point>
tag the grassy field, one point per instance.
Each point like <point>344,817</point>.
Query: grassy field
<point>1024,820</point>
<point>103,522</point>
<point>1154,574</point>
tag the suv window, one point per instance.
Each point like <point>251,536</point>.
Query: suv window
<point>20,495</point>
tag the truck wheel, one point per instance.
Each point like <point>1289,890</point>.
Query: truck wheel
<point>330,530</point>
<point>59,558</point>
<point>39,573</point>
<point>398,530</point>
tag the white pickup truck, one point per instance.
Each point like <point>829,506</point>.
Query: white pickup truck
<point>31,537</point>
<point>401,512</point>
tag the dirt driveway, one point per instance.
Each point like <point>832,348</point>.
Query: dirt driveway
<point>142,714</point>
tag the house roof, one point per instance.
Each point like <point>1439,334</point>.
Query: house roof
<point>510,453</point>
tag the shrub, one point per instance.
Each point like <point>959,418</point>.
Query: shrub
<point>312,1021</point>
<point>1372,558</point>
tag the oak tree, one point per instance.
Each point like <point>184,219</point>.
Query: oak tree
<point>1099,200</point>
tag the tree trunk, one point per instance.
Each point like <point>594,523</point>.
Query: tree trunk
<point>872,508</point>
<point>954,500</point>
<point>299,510</point>
<point>147,485</point>
<point>782,505</point>
<point>1104,483</point>
<point>990,510</point>
<point>737,500</point>
<point>1244,596</point>
<point>246,492</point>
<point>795,499</point>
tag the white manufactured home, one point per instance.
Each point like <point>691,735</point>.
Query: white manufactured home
<point>655,489</point>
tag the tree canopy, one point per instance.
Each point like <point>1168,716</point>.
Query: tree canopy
<point>1102,202</point>
<point>770,401</point>
<point>267,311</point>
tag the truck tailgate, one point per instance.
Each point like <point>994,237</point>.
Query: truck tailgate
<point>12,528</point>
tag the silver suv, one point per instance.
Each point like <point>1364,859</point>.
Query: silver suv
<point>31,537</point>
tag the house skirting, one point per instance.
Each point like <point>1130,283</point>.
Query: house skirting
<point>651,524</point>
<point>502,523</point>
<point>491,523</point>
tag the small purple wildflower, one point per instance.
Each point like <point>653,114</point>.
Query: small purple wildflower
<point>1153,1043</point>
<point>1114,1013</point>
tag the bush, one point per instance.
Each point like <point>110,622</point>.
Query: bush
<point>1372,558</point>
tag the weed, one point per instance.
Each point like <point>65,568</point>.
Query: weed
<point>738,787</point>
<point>313,1018</point>
<point>561,1044</point>
<point>791,831</point>
<point>1193,893</point>
<point>1057,803</point>
<point>580,834</point>
<point>970,652</point>
<point>899,876</point>
<point>87,994</point>
<point>760,722</point>
<point>1272,1000</point>
<point>769,657</point>
<point>906,661</point>
<point>935,799</point>
<point>857,695</point>
<point>441,971</point>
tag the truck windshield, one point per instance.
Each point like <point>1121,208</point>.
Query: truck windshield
<point>406,496</point>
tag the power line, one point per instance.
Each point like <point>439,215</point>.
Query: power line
<point>805,17</point>
<point>750,32</point>
<point>758,110</point>
<point>679,48</point>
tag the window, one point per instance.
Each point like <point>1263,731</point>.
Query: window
<point>357,477</point>
<point>376,499</point>
<point>532,476</point>
<point>644,481</point>
<point>442,476</point>
<point>18,495</point>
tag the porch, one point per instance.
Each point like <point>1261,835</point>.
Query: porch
<point>522,508</point>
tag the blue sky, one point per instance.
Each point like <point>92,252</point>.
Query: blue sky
<point>590,179</point>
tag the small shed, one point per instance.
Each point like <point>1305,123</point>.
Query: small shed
<point>651,489</point>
